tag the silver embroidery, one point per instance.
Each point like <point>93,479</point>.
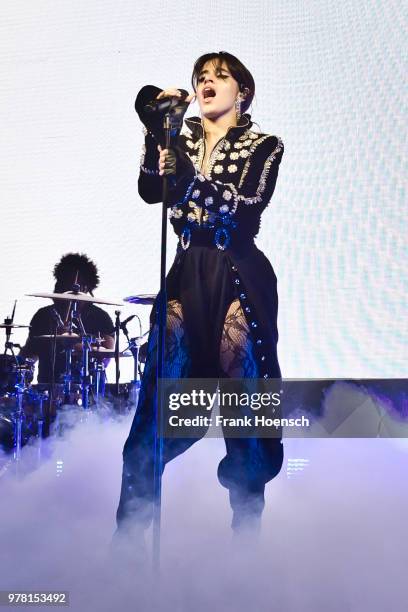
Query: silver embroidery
<point>255,143</point>
<point>234,155</point>
<point>218,169</point>
<point>200,155</point>
<point>227,195</point>
<point>232,168</point>
<point>262,181</point>
<point>214,157</point>
<point>234,192</point>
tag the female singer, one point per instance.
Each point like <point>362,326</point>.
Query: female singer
<point>221,289</point>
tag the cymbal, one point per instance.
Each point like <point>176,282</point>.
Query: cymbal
<point>106,353</point>
<point>4,325</point>
<point>77,297</point>
<point>67,337</point>
<point>142,298</point>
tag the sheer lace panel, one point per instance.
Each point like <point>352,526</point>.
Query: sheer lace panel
<point>237,355</point>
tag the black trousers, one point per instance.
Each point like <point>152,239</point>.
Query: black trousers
<point>248,465</point>
<point>204,287</point>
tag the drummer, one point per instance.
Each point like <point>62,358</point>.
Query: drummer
<point>73,269</point>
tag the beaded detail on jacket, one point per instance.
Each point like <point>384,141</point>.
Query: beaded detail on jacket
<point>226,202</point>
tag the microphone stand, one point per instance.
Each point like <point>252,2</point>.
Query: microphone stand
<point>172,123</point>
<point>117,371</point>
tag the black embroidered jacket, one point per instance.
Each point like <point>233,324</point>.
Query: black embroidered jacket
<point>224,206</point>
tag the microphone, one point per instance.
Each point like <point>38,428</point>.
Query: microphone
<point>152,111</point>
<point>166,103</point>
<point>57,318</point>
<point>125,322</point>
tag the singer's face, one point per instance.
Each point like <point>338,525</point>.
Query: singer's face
<point>217,90</point>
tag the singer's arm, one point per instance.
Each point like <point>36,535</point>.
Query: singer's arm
<point>150,184</point>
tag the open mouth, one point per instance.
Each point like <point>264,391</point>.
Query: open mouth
<point>208,92</point>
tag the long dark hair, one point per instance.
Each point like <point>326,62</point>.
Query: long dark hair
<point>240,73</point>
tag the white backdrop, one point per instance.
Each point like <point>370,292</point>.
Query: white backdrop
<point>329,82</point>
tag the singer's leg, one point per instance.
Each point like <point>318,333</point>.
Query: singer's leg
<point>249,462</point>
<point>137,479</point>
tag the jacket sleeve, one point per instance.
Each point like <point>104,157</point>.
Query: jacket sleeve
<point>150,183</point>
<point>254,188</point>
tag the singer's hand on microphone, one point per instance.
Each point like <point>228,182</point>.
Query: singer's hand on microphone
<point>174,92</point>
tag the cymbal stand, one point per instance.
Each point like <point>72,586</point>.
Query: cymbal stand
<point>18,427</point>
<point>20,387</point>
<point>8,322</point>
<point>86,347</point>
<point>99,369</point>
<point>117,332</point>
<point>40,424</point>
<point>68,354</point>
<point>75,317</point>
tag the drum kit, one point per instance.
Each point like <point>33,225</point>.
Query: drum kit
<point>27,409</point>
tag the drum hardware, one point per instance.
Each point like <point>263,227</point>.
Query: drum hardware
<point>99,370</point>
<point>125,400</point>
<point>8,325</point>
<point>134,344</point>
<point>75,317</point>
<point>117,332</point>
<point>75,296</point>
<point>11,326</point>
<point>106,353</point>
<point>15,378</point>
<point>40,416</point>
<point>66,338</point>
<point>31,408</point>
<point>146,299</point>
<point>18,423</point>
